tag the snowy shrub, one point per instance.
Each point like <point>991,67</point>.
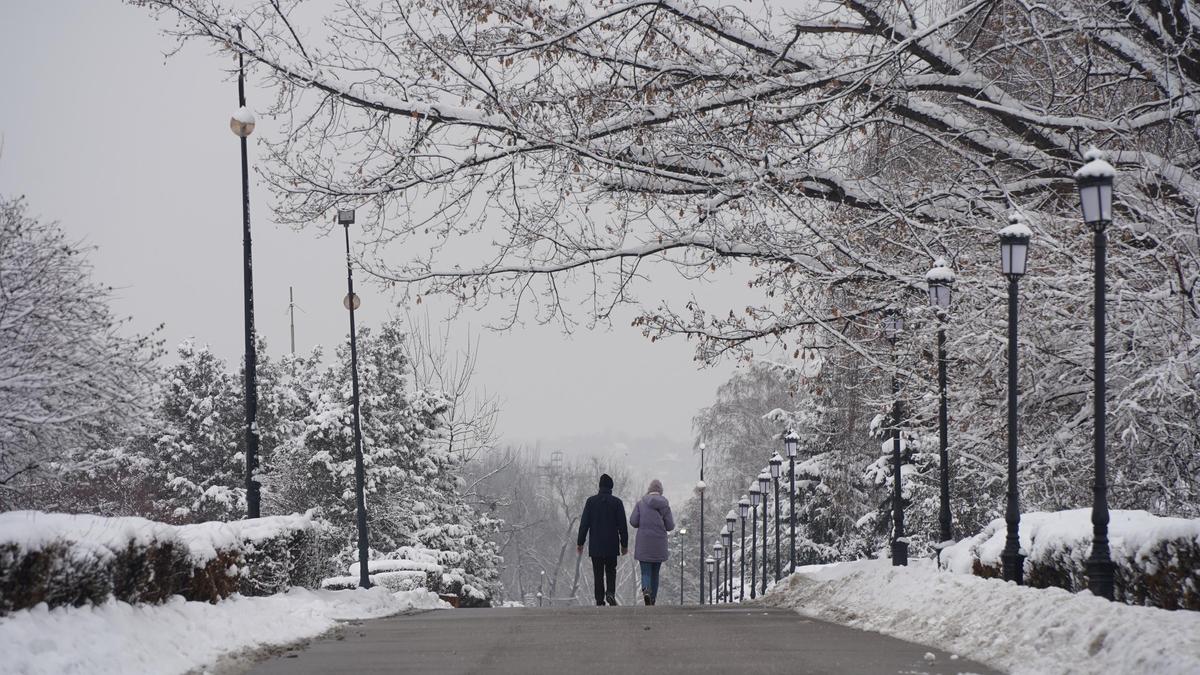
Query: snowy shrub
<point>64,559</point>
<point>1157,559</point>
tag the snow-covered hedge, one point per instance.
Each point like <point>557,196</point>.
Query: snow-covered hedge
<point>65,559</point>
<point>412,567</point>
<point>1157,559</point>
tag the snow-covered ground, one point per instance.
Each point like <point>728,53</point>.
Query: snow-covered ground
<point>181,636</point>
<point>1012,628</point>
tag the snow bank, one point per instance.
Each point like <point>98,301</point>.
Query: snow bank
<point>1013,628</point>
<point>206,539</point>
<point>180,636</point>
<point>1157,558</point>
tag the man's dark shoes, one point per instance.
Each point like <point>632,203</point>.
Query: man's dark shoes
<point>612,599</point>
<point>646,599</point>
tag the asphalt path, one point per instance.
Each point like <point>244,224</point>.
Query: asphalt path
<point>645,640</point>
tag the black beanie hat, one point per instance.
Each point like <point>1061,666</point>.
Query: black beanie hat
<point>606,482</point>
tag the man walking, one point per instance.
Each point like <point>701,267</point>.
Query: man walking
<point>604,518</point>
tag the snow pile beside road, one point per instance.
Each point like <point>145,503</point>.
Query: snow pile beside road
<point>179,636</point>
<point>1009,627</point>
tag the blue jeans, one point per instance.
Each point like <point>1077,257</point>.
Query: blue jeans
<point>650,578</point>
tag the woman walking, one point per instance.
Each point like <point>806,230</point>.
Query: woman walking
<point>653,520</point>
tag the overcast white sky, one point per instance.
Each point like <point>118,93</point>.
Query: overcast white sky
<point>132,152</point>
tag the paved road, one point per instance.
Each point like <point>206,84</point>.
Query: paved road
<point>645,640</point>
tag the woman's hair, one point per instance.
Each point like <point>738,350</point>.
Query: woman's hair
<point>655,486</point>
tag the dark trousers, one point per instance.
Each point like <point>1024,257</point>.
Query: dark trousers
<point>650,572</point>
<point>604,569</point>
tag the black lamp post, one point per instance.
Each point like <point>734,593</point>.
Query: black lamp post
<point>709,562</point>
<point>682,531</point>
<point>731,520</point>
<point>242,125</point>
<point>939,280</point>
<point>1095,181</point>
<point>1014,252</point>
<point>700,487</point>
<point>764,484</point>
<point>776,464</point>
<point>743,511</point>
<point>345,217</point>
<point>790,444</point>
<point>755,500</point>
<point>718,553</point>
<point>727,537</point>
<point>893,325</point>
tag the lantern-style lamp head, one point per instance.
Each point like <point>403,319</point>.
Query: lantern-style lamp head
<point>755,496</point>
<point>710,562</point>
<point>939,279</point>
<point>727,536</point>
<point>893,325</point>
<point>791,443</point>
<point>775,462</point>
<point>717,548</point>
<point>744,507</point>
<point>1095,181</point>
<point>345,217</point>
<point>242,122</point>
<point>731,518</point>
<point>764,482</point>
<point>1014,245</point>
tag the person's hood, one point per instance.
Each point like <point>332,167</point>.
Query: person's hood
<point>655,501</point>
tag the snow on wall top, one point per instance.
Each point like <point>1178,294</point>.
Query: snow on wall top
<point>90,535</point>
<point>1041,533</point>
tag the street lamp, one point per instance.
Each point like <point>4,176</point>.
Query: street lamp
<point>682,531</point>
<point>719,552</point>
<point>776,462</point>
<point>1095,181</point>
<point>1014,252</point>
<point>708,562</point>
<point>727,538</point>
<point>791,443</point>
<point>242,125</point>
<point>940,279</point>
<point>755,500</point>
<point>764,483</point>
<point>893,325</point>
<point>700,487</point>
<point>731,520</point>
<point>345,218</point>
<point>743,511</point>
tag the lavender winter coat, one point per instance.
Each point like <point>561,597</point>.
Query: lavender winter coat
<point>653,520</point>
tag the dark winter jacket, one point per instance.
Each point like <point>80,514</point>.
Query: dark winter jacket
<point>604,518</point>
<point>653,520</point>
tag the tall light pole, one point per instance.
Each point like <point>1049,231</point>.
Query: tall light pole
<point>727,537</point>
<point>682,531</point>
<point>1014,252</point>
<point>709,562</point>
<point>731,520</point>
<point>700,487</point>
<point>764,484</point>
<point>743,511</point>
<point>755,500</point>
<point>345,218</point>
<point>893,325</point>
<point>1095,181</point>
<point>790,443</point>
<point>242,124</point>
<point>776,463</point>
<point>940,279</point>
<point>718,553</point>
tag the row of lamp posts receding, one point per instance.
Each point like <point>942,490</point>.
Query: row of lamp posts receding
<point>242,124</point>
<point>1095,183</point>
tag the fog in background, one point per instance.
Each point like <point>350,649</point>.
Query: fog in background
<point>131,152</point>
